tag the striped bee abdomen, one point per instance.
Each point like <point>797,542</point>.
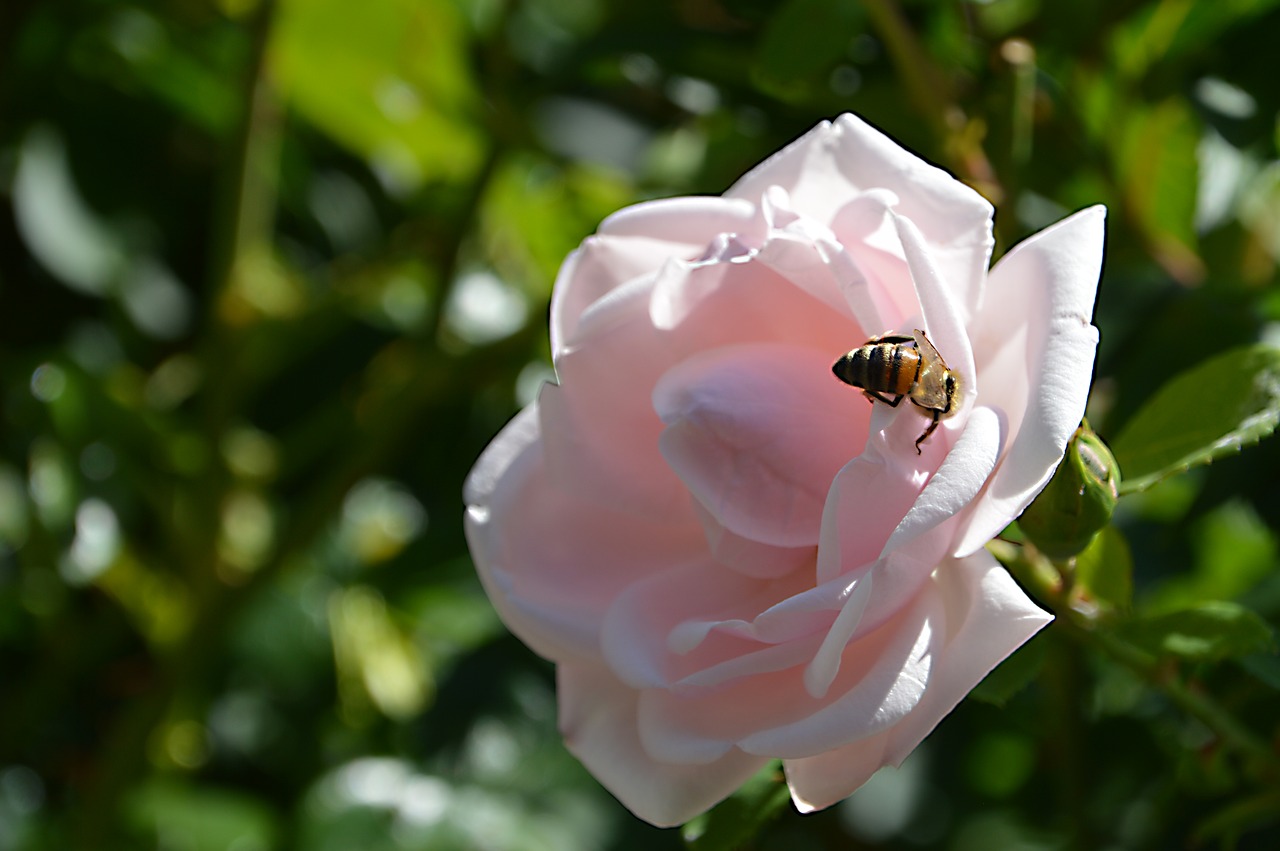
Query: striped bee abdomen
<point>880,366</point>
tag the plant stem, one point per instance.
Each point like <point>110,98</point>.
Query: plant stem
<point>1036,573</point>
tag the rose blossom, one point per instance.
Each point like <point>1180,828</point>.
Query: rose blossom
<point>732,556</point>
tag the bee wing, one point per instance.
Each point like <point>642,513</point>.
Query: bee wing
<point>930,390</point>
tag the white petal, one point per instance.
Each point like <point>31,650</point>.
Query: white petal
<point>551,560</point>
<point>958,480</point>
<point>941,313</point>
<point>1035,347</point>
<point>817,782</point>
<point>833,163</point>
<point>598,721</point>
<point>988,617</point>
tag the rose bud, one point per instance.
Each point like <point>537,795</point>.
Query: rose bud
<point>1077,502</point>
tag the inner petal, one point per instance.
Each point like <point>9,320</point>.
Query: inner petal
<point>757,433</point>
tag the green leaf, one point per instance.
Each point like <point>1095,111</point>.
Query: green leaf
<point>1264,666</point>
<point>1227,402</point>
<point>1156,151</point>
<point>392,82</point>
<point>1013,674</point>
<point>1104,571</point>
<point>804,39</point>
<point>1209,632</point>
<point>735,820</point>
<point>208,818</point>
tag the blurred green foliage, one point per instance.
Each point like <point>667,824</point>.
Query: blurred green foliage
<point>272,274</point>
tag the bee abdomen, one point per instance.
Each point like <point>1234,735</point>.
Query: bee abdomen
<point>881,367</point>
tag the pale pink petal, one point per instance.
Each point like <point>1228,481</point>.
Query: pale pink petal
<point>752,558</point>
<point>955,220</point>
<point>670,625</point>
<point>599,429</point>
<point>941,315</point>
<point>806,252</point>
<point>757,433</point>
<point>883,676</point>
<point>771,714</point>
<point>738,299</point>
<point>834,162</point>
<point>637,241</point>
<point>819,781</point>
<point>869,236</point>
<point>551,562</point>
<point>598,722</point>
<point>686,223</point>
<point>988,617</point>
<point>1036,348</point>
<point>962,475</point>
<point>868,498</point>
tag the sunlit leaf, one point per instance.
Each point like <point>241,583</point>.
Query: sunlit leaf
<point>1209,632</point>
<point>391,82</point>
<point>1156,157</point>
<point>208,819</point>
<point>1229,401</point>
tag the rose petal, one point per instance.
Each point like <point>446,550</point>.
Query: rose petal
<point>821,780</point>
<point>870,238</point>
<point>748,557</point>
<point>757,433</point>
<point>599,428</point>
<point>637,241</point>
<point>674,623</point>
<point>941,315</point>
<point>868,498</point>
<point>807,252</point>
<point>834,162</point>
<point>962,475</point>
<point>1037,348</point>
<point>771,714</point>
<point>988,617</point>
<point>550,561</point>
<point>599,725</point>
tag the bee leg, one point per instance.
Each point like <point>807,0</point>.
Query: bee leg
<point>892,403</point>
<point>933,425</point>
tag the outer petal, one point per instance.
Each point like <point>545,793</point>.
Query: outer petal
<point>598,721</point>
<point>820,781</point>
<point>1035,348</point>
<point>771,713</point>
<point>636,241</point>
<point>834,162</point>
<point>552,562</point>
<point>988,617</point>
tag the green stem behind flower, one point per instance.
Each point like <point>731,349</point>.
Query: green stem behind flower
<point>1045,580</point>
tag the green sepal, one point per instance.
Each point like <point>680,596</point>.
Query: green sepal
<point>1077,502</point>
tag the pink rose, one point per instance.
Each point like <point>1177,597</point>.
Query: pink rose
<point>732,556</point>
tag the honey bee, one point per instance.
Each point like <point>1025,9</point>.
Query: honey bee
<point>889,368</point>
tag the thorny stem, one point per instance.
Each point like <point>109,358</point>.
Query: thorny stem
<point>1045,580</point>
